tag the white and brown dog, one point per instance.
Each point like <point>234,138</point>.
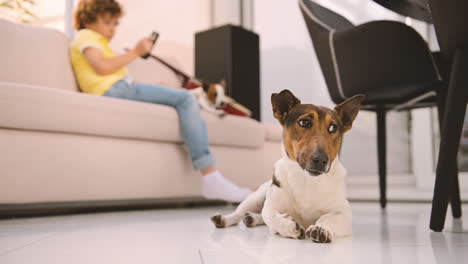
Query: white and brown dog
<point>211,97</point>
<point>306,197</point>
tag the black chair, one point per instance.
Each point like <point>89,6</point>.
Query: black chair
<point>386,60</point>
<point>449,17</point>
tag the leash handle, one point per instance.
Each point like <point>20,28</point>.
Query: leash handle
<point>154,36</point>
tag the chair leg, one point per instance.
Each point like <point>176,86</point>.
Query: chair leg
<point>455,200</point>
<point>382,154</point>
<point>454,114</point>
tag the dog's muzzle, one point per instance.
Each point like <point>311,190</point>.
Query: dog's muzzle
<point>318,164</point>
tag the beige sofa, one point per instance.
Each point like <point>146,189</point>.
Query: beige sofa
<point>60,145</point>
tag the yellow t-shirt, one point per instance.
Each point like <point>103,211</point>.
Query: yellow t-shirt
<point>88,79</point>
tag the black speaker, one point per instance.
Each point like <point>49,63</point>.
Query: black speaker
<point>231,53</point>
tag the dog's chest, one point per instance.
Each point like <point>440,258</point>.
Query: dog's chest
<point>199,94</point>
<point>309,197</point>
<point>309,194</point>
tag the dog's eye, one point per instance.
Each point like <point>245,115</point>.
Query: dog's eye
<point>215,94</point>
<point>332,129</point>
<point>305,123</point>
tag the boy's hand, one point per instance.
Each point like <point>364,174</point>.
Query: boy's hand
<point>144,46</point>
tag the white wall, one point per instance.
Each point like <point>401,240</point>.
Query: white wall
<point>226,12</point>
<point>229,12</point>
<point>286,55</point>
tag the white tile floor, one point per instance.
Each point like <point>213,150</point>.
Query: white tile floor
<point>187,236</point>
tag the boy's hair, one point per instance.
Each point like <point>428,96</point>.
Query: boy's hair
<point>88,11</point>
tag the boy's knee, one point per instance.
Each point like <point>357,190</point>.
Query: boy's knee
<point>187,99</point>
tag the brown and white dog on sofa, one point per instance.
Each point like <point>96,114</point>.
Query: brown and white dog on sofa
<point>306,197</point>
<point>211,97</point>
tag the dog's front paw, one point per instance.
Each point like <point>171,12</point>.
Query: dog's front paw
<point>221,114</point>
<point>218,221</point>
<point>252,219</point>
<point>299,231</point>
<point>249,220</point>
<point>293,229</point>
<point>319,234</point>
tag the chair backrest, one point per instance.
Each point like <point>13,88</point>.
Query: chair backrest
<point>450,24</point>
<point>321,22</point>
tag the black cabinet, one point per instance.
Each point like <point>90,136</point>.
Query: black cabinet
<point>231,53</point>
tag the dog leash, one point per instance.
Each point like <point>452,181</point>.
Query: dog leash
<point>187,81</point>
<point>232,107</point>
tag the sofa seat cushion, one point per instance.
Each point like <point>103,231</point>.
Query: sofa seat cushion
<point>57,110</point>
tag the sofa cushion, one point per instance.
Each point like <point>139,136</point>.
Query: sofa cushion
<point>57,110</point>
<point>35,55</point>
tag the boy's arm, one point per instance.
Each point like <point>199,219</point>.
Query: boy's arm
<point>104,66</point>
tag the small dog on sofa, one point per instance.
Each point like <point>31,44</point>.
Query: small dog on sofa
<point>306,198</point>
<point>211,97</point>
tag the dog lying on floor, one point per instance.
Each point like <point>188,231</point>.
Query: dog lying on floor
<point>306,197</point>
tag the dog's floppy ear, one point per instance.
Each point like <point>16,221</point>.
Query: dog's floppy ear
<point>282,103</point>
<point>205,86</point>
<point>349,109</point>
<point>223,83</point>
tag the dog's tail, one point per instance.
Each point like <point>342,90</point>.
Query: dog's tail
<point>249,210</point>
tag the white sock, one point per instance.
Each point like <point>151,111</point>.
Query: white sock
<point>216,186</point>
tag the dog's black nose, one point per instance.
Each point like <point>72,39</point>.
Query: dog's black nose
<point>319,161</point>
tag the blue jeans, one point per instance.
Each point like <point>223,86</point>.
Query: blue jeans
<point>193,128</point>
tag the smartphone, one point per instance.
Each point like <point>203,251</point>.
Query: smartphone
<point>154,36</point>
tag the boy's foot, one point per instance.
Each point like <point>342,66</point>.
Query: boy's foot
<point>216,186</point>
